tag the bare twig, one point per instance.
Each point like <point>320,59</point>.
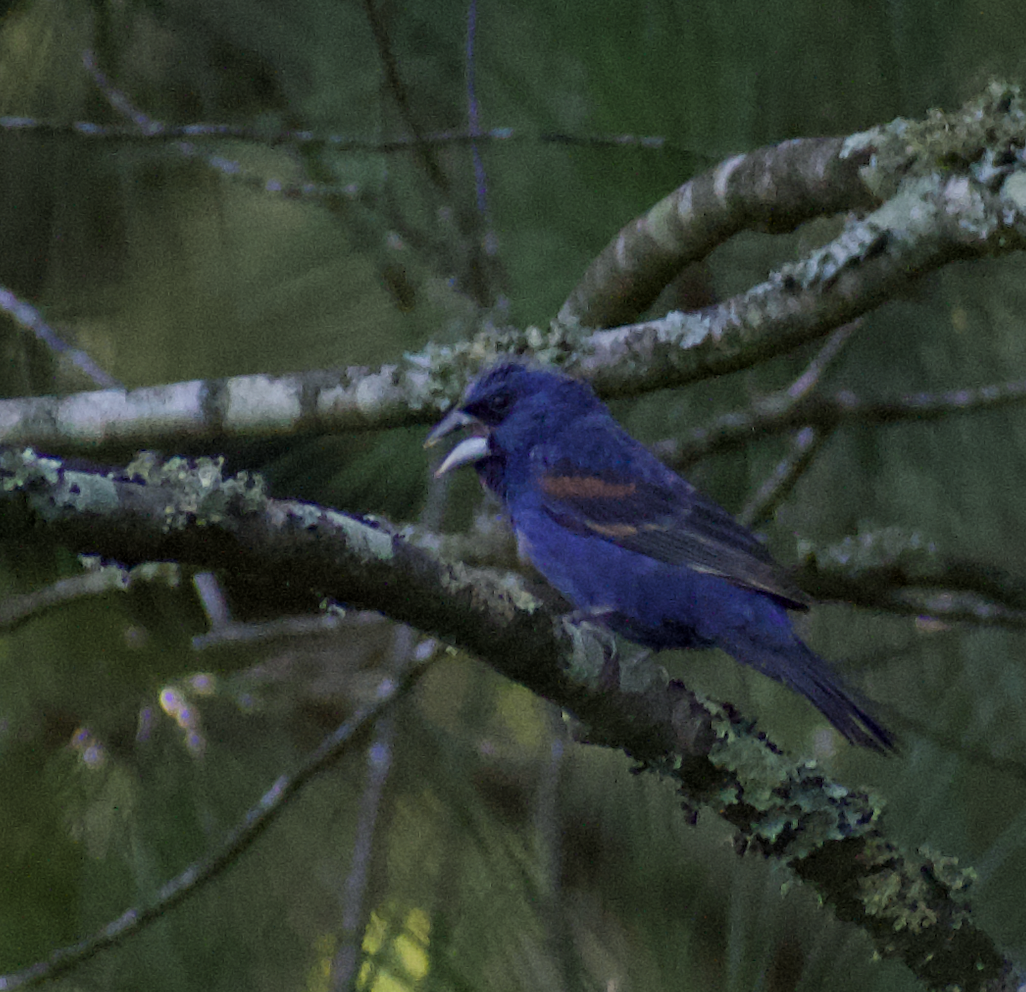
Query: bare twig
<point>402,100</point>
<point>805,445</point>
<point>117,99</point>
<point>827,356</point>
<point>807,442</point>
<point>250,826</point>
<point>345,965</point>
<point>160,131</point>
<point>98,580</point>
<point>827,412</point>
<point>29,318</point>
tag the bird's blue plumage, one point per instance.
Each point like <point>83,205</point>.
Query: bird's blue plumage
<point>632,544</point>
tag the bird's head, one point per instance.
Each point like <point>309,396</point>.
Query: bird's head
<point>509,407</point>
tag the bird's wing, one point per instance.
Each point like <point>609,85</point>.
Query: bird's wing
<point>619,492</point>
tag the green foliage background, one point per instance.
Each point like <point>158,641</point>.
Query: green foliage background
<point>504,856</point>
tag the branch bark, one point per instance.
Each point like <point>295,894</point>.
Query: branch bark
<point>924,227</point>
<point>913,906</point>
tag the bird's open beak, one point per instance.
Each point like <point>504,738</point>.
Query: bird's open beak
<point>468,451</point>
<point>454,420</point>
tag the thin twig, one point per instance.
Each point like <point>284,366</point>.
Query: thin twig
<point>807,442</point>
<point>273,137</point>
<point>402,101</point>
<point>824,359</point>
<point>345,965</point>
<point>805,445</point>
<point>28,317</point>
<point>826,412</point>
<point>489,242</point>
<point>250,826</point>
<point>97,580</point>
<point>117,99</point>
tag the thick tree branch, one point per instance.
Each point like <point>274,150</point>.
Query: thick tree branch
<point>776,189</point>
<point>772,189</point>
<point>950,187</point>
<point>912,906</point>
<point>930,222</point>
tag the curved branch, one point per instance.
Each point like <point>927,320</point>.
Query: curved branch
<point>929,222</point>
<point>933,221</point>
<point>772,189</point>
<point>777,188</point>
<point>913,906</point>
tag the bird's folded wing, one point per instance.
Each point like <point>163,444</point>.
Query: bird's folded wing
<point>655,512</point>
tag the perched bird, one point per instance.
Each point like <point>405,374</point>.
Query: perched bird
<point>631,544</point>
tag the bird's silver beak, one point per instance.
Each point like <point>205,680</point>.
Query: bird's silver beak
<point>454,420</point>
<point>468,451</point>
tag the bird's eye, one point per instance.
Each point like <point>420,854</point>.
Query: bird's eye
<point>493,408</point>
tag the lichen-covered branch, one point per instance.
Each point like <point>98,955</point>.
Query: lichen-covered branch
<point>248,405</point>
<point>913,906</point>
<point>901,571</point>
<point>777,188</point>
<point>929,222</point>
<point>772,189</point>
<point>797,304</point>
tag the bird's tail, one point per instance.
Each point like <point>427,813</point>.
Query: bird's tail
<point>801,669</point>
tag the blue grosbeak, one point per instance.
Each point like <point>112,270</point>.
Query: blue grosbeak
<point>630,543</point>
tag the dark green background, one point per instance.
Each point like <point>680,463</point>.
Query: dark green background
<point>164,270</point>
